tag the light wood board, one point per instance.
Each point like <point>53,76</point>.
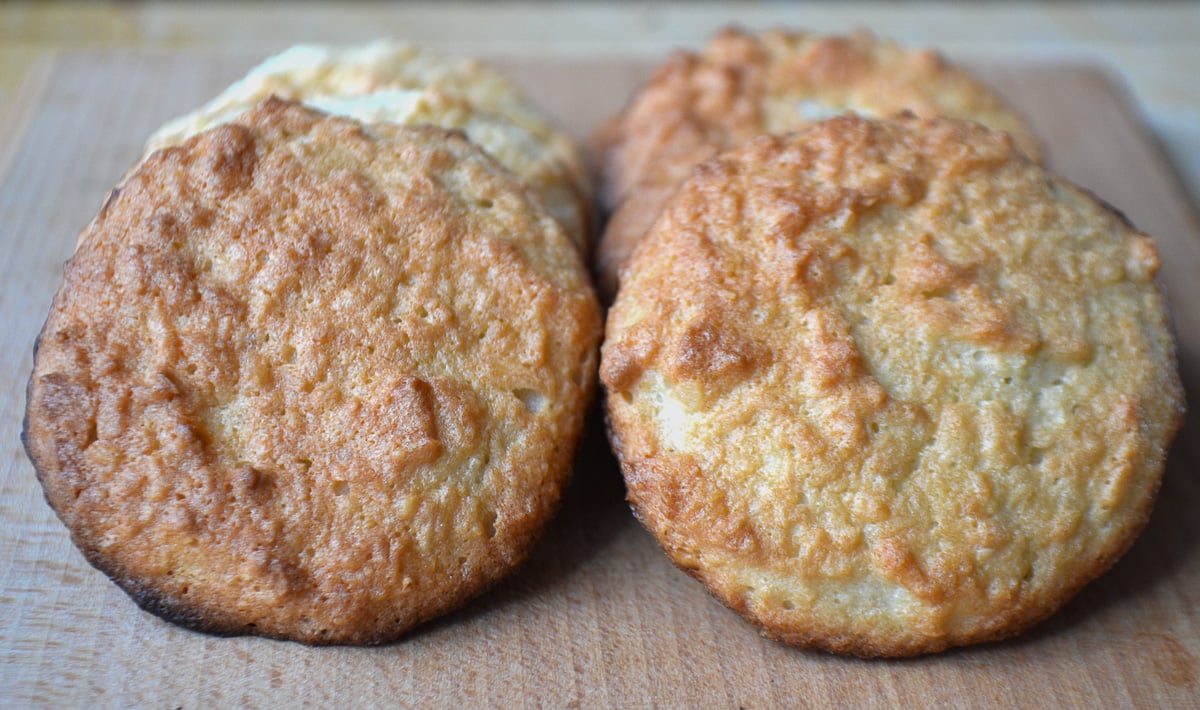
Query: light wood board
<point>598,617</point>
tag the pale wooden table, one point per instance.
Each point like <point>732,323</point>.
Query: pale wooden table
<point>598,617</point>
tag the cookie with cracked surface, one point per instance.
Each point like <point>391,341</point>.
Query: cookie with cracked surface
<point>311,379</point>
<point>743,85</point>
<point>405,84</point>
<point>890,387</point>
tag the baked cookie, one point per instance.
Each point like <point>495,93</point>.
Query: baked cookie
<point>887,388</point>
<point>401,83</point>
<point>742,85</point>
<point>311,379</point>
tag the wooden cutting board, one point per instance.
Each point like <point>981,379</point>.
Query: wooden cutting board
<point>598,617</point>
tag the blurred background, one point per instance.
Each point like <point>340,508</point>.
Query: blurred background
<point>1152,48</point>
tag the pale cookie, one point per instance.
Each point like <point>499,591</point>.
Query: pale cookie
<point>401,83</point>
<point>890,387</point>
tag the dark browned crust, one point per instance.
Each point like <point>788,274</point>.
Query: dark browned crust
<point>53,440</point>
<point>166,606</point>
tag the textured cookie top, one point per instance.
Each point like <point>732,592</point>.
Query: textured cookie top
<point>308,72</point>
<point>890,387</point>
<point>311,379</point>
<point>743,85</point>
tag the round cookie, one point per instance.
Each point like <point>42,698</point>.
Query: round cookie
<point>742,85</point>
<point>311,379</point>
<point>890,387</point>
<point>403,84</point>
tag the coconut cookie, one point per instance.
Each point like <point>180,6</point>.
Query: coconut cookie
<point>404,84</point>
<point>311,379</point>
<point>742,85</point>
<point>890,387</point>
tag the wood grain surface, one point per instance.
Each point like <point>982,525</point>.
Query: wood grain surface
<point>598,617</point>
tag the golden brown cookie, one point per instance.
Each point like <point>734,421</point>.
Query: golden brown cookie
<point>313,380</point>
<point>401,83</point>
<point>887,388</point>
<point>743,85</point>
